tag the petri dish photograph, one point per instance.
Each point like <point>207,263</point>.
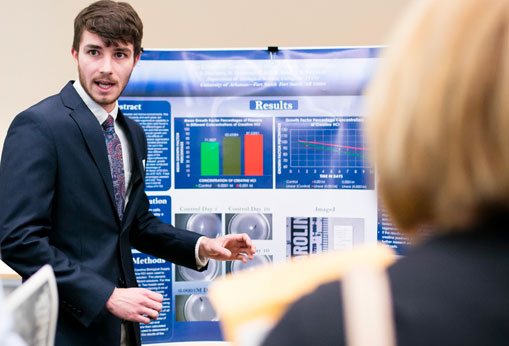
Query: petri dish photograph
<point>257,226</point>
<point>258,260</point>
<point>188,274</point>
<point>208,225</point>
<point>198,308</point>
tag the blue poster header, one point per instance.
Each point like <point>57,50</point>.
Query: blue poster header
<point>316,72</point>
<point>262,54</point>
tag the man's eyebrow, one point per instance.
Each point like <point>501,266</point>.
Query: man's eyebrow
<point>122,49</point>
<point>92,46</point>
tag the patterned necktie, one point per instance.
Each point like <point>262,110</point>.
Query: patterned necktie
<point>116,163</point>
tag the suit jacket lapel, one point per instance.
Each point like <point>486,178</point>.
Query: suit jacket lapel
<point>92,133</point>
<point>137,150</point>
<point>138,172</point>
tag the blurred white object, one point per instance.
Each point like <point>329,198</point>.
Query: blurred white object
<point>34,308</point>
<point>7,336</point>
<point>367,307</point>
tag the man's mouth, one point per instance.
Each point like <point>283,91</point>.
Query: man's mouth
<point>104,84</point>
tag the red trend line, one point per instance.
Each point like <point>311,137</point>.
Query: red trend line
<point>333,145</point>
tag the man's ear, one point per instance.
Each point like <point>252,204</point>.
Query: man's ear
<point>136,59</point>
<point>74,54</point>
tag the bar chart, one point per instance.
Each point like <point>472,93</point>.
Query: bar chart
<point>231,155</point>
<point>223,152</point>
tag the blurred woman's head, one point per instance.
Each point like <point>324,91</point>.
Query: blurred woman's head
<point>439,114</point>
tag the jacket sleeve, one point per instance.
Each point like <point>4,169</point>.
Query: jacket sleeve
<point>28,172</point>
<point>152,236</point>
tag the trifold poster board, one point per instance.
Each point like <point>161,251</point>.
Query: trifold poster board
<point>267,142</point>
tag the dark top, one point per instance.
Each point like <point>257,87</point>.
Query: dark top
<point>452,290</point>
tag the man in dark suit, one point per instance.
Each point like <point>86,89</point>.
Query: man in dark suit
<point>72,192</point>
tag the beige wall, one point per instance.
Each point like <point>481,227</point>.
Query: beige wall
<point>37,34</point>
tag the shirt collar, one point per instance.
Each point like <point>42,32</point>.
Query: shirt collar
<point>99,112</point>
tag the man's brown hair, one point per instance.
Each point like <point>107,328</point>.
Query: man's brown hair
<point>112,21</point>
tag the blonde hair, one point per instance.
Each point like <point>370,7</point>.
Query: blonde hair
<point>439,114</point>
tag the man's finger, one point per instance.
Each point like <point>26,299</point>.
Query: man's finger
<point>248,243</point>
<point>224,252</point>
<point>247,250</point>
<point>243,237</point>
<point>149,313</point>
<point>143,319</point>
<point>154,295</point>
<point>247,239</point>
<point>154,305</point>
<point>242,257</point>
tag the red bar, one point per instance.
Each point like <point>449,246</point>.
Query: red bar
<point>253,154</point>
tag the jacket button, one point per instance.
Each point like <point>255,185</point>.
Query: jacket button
<point>121,282</point>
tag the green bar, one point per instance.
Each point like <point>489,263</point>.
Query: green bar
<point>209,158</point>
<point>231,155</point>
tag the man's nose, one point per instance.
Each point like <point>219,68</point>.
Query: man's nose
<point>106,64</point>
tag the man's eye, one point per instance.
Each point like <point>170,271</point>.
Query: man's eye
<point>93,52</point>
<point>120,55</point>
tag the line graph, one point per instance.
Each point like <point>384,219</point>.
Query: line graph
<point>333,145</point>
<point>323,152</point>
<point>328,148</point>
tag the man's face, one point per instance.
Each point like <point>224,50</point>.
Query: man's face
<point>104,71</point>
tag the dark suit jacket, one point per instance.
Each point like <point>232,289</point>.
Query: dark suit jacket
<point>453,290</point>
<point>58,207</point>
